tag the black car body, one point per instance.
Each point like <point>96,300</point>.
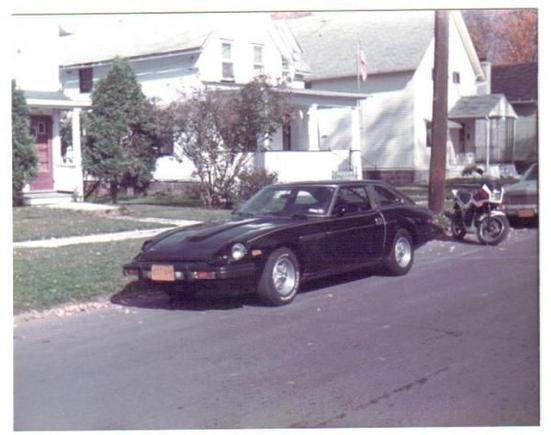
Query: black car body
<point>288,233</point>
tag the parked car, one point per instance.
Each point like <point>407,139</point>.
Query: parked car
<point>520,199</point>
<point>286,234</point>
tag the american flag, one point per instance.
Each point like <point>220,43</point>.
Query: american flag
<point>362,64</point>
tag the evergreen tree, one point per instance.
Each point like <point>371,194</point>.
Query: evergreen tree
<point>24,158</point>
<point>120,147</point>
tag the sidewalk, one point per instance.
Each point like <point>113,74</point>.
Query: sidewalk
<point>97,238</point>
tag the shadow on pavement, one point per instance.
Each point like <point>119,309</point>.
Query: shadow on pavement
<point>141,294</point>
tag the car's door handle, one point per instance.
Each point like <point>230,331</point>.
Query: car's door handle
<point>379,220</point>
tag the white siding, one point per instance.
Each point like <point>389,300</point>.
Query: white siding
<point>458,62</point>
<point>387,118</point>
<point>164,77</point>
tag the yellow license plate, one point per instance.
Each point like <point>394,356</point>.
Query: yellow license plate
<point>161,272</point>
<point>526,213</point>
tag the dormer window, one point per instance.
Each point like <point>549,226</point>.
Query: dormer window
<point>227,61</point>
<point>86,80</point>
<point>258,62</point>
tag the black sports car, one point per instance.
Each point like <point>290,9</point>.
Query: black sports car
<point>289,233</point>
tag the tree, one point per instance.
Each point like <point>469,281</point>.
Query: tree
<point>120,146</point>
<point>504,36</point>
<point>218,129</point>
<point>24,158</point>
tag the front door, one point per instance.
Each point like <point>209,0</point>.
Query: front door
<point>41,130</point>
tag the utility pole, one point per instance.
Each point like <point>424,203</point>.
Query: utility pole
<point>437,173</point>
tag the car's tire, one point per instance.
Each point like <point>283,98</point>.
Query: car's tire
<point>400,258</point>
<point>280,279</point>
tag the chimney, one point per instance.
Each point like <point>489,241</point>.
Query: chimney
<point>485,87</point>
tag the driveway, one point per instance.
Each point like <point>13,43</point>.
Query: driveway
<point>454,342</point>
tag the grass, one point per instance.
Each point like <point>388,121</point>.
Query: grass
<point>47,277</point>
<point>36,223</point>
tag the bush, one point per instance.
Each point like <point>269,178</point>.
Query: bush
<point>24,158</point>
<point>251,181</point>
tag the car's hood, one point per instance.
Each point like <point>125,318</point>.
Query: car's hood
<point>203,241</point>
<point>529,186</point>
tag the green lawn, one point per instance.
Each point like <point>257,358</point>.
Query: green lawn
<point>35,223</point>
<point>50,276</point>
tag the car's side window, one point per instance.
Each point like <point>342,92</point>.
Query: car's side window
<point>386,197</point>
<point>352,199</point>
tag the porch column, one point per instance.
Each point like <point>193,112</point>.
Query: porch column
<point>313,129</point>
<point>77,154</point>
<point>355,145</point>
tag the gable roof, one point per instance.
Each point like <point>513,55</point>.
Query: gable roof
<point>391,40</point>
<point>136,36</point>
<point>480,106</point>
<point>518,82</point>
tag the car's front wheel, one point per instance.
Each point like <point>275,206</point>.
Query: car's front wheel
<point>280,279</point>
<point>400,258</point>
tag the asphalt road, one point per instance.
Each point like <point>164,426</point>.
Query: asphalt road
<point>453,343</point>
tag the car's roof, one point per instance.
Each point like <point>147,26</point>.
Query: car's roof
<point>330,183</point>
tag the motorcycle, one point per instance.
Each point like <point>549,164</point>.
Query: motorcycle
<point>478,212</point>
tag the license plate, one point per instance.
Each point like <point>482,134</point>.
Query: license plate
<point>161,272</point>
<point>526,213</point>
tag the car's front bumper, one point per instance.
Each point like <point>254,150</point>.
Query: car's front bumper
<point>194,271</point>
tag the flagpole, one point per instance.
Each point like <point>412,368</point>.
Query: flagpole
<point>358,65</point>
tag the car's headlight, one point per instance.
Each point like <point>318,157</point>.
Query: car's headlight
<point>238,251</point>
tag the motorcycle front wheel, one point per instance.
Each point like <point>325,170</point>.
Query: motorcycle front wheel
<point>458,229</point>
<point>492,230</point>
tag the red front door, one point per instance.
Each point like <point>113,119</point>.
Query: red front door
<point>41,129</point>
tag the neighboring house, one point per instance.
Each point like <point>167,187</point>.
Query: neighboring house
<point>519,83</point>
<point>36,71</point>
<point>341,127</point>
<point>223,50</point>
<point>396,116</point>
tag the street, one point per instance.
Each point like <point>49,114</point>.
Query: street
<point>453,343</point>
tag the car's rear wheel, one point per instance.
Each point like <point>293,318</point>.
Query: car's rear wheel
<point>400,258</point>
<point>280,279</point>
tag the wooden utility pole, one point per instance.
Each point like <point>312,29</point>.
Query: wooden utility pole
<point>437,173</point>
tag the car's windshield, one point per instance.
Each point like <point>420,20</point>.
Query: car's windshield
<point>531,174</point>
<point>289,201</point>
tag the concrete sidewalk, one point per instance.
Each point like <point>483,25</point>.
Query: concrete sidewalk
<point>97,238</point>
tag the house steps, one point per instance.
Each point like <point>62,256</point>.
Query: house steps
<point>46,197</point>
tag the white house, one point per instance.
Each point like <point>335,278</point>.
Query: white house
<point>35,61</point>
<point>344,127</point>
<point>396,116</point>
<point>177,54</point>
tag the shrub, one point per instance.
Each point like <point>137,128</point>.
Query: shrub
<point>251,181</point>
<point>24,158</point>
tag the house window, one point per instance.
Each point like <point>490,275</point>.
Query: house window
<point>258,61</point>
<point>285,72</point>
<point>227,62</point>
<point>456,77</point>
<point>85,80</point>
<point>286,133</point>
<point>428,126</point>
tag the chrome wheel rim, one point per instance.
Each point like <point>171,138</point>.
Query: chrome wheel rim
<point>492,229</point>
<point>284,276</point>
<point>402,252</point>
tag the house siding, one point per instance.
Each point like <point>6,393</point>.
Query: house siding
<point>386,118</point>
<point>458,62</point>
<point>164,77</point>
